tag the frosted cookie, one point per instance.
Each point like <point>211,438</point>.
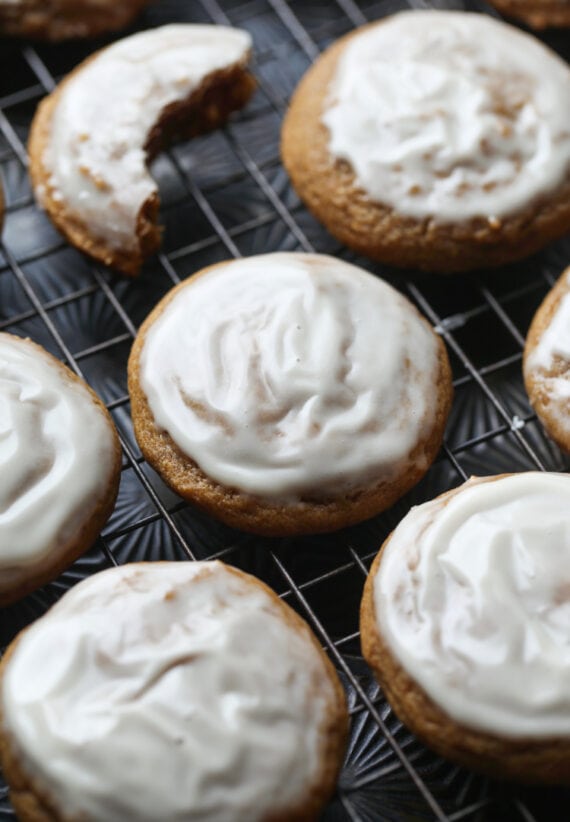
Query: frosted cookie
<point>435,140</point>
<point>546,364</point>
<point>465,622</point>
<point>60,464</point>
<point>540,14</point>
<point>91,139</point>
<point>288,393</point>
<point>213,690</point>
<point>63,19</point>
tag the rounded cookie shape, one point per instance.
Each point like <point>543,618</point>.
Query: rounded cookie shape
<point>288,393</point>
<point>540,14</point>
<point>435,140</point>
<point>197,675</point>
<point>65,19</point>
<point>91,139</point>
<point>464,621</point>
<point>60,464</point>
<point>546,363</point>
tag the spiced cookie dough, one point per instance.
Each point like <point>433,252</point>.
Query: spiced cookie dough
<point>171,691</point>
<point>540,14</point>
<point>91,139</point>
<point>435,140</point>
<point>60,463</point>
<point>64,19</point>
<point>546,363</point>
<point>288,393</point>
<point>464,621</point>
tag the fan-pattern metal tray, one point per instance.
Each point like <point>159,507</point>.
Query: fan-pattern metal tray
<point>226,195</point>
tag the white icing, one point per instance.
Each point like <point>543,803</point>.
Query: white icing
<point>168,691</point>
<point>554,343</point>
<point>451,115</point>
<point>95,154</point>
<point>56,457</point>
<point>287,374</point>
<point>473,598</point>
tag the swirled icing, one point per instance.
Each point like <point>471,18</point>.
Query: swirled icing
<point>56,457</point>
<point>171,691</point>
<point>472,596</point>
<point>96,155</point>
<point>450,115</point>
<point>287,374</point>
<point>554,344</point>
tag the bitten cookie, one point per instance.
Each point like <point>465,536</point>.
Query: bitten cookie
<point>64,19</point>
<point>170,691</point>
<point>546,363</point>
<point>540,14</point>
<point>60,464</point>
<point>465,619</point>
<point>91,139</point>
<point>288,393</point>
<point>434,140</point>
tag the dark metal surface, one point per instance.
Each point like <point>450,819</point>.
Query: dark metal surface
<point>227,195</point>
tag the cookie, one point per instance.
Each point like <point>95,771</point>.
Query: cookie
<point>540,14</point>
<point>57,20</point>
<point>91,139</point>
<point>60,462</point>
<point>546,363</point>
<point>197,675</point>
<point>464,622</point>
<point>288,393</point>
<point>434,140</point>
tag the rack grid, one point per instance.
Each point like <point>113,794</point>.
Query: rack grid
<point>227,195</point>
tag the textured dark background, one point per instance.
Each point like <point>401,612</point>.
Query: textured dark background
<point>227,195</point>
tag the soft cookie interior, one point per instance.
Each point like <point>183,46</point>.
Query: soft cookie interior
<point>92,138</point>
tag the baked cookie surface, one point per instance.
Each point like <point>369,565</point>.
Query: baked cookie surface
<point>60,461</point>
<point>214,691</point>
<point>540,14</point>
<point>434,140</point>
<point>91,139</point>
<point>464,621</point>
<point>546,363</point>
<point>288,393</point>
<point>64,19</point>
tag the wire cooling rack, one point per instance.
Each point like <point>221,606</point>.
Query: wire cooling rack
<point>226,195</point>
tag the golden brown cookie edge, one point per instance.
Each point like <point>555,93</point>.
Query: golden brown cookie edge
<point>33,804</point>
<point>95,518</point>
<point>235,81</point>
<point>329,190</point>
<point>249,513</point>
<point>533,761</point>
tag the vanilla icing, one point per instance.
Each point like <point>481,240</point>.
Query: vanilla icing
<point>287,374</point>
<point>95,154</point>
<point>554,344</point>
<point>171,691</point>
<point>472,596</point>
<point>56,458</point>
<point>450,115</point>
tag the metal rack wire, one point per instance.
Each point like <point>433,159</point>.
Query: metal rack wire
<point>226,195</point>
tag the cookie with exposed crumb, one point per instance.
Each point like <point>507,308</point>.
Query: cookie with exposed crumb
<point>60,461</point>
<point>214,691</point>
<point>58,20</point>
<point>434,140</point>
<point>546,363</point>
<point>288,393</point>
<point>464,623</point>
<point>92,138</point>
